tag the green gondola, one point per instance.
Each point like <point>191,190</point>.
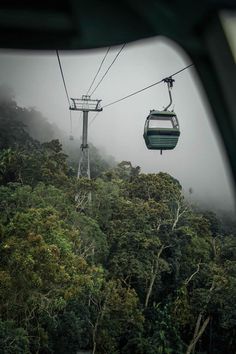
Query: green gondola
<point>159,138</point>
<point>155,135</point>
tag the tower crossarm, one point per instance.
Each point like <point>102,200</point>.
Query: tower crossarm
<point>85,104</point>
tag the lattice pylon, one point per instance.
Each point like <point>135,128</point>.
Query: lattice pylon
<point>84,163</point>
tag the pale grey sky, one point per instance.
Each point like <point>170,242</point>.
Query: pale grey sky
<point>198,160</point>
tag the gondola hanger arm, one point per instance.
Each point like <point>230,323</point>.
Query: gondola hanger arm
<point>169,81</point>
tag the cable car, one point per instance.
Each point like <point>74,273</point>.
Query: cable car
<point>161,138</point>
<point>157,136</point>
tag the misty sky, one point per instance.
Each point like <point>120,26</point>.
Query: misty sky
<point>198,160</point>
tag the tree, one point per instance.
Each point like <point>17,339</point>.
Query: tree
<point>13,340</point>
<point>133,269</point>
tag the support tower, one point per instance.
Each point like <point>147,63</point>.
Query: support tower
<point>85,105</point>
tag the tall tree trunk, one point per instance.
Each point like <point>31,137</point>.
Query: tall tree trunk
<point>98,320</point>
<point>213,243</point>
<point>197,333</point>
<point>178,215</point>
<point>94,335</point>
<point>153,275</point>
<point>196,330</point>
<point>94,344</point>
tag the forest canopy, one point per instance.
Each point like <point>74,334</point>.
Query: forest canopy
<point>136,269</point>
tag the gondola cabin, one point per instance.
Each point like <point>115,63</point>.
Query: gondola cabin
<point>161,130</point>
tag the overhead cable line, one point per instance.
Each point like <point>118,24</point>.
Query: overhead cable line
<point>141,90</point>
<point>179,71</point>
<point>63,78</point>
<point>98,70</point>
<point>93,119</point>
<point>67,95</point>
<point>146,88</point>
<point>99,83</point>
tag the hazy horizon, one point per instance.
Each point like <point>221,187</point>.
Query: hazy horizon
<point>198,162</point>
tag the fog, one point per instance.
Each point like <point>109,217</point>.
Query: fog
<point>199,160</point>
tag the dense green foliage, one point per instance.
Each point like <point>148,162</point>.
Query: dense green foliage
<point>136,270</point>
